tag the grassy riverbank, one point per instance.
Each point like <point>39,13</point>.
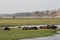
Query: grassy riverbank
<point>15,34</point>
<point>29,21</point>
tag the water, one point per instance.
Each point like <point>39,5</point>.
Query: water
<point>30,26</point>
<point>37,25</point>
<point>54,37</point>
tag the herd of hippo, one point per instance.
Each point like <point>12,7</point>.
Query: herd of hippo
<point>41,27</point>
<point>35,28</point>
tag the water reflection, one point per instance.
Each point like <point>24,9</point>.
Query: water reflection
<point>54,37</point>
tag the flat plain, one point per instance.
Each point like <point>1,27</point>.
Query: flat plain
<point>29,21</point>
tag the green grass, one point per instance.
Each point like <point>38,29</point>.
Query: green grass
<point>58,29</point>
<point>30,21</point>
<point>15,34</point>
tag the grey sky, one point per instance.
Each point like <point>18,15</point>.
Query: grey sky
<point>12,6</point>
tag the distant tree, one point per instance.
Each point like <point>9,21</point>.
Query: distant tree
<point>13,17</point>
<point>47,13</point>
<point>0,17</point>
<point>40,14</point>
<point>53,13</point>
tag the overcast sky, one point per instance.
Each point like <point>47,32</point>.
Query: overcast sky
<point>13,6</point>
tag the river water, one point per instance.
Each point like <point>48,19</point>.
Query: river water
<point>54,37</point>
<point>30,26</point>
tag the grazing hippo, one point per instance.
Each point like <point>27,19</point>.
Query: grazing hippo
<point>25,28</point>
<point>34,28</point>
<point>6,28</point>
<point>29,28</point>
<point>48,27</point>
<point>43,27</point>
<point>53,27</point>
